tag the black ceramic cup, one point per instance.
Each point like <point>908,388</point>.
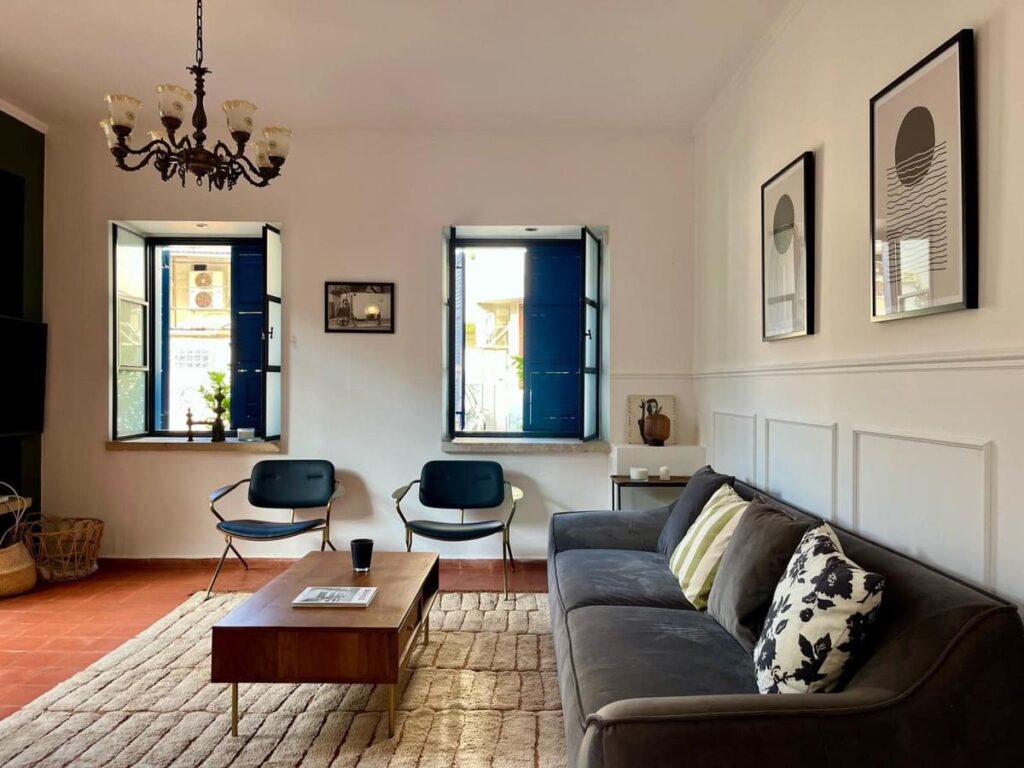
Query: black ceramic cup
<point>362,554</point>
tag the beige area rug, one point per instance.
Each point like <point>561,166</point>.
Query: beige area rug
<point>484,692</point>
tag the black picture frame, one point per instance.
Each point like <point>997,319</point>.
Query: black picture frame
<point>884,258</point>
<point>795,179</point>
<point>341,310</point>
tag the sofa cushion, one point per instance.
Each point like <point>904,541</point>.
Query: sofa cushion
<point>696,559</point>
<point>628,652</point>
<point>615,577</point>
<point>820,620</point>
<point>701,487</point>
<point>751,567</point>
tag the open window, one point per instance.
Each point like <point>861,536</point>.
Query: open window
<point>194,316</point>
<point>524,335</point>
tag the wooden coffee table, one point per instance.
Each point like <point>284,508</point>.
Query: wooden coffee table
<point>266,640</point>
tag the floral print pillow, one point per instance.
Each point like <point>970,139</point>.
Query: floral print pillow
<point>819,620</point>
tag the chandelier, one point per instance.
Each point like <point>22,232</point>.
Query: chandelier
<point>218,165</point>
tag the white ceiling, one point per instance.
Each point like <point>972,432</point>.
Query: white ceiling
<point>433,64</point>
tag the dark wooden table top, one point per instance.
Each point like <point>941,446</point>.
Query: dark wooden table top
<point>398,576</point>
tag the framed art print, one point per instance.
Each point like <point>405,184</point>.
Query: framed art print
<point>351,307</point>
<point>924,189</point>
<point>787,251</point>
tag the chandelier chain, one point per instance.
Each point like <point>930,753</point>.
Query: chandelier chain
<point>199,33</point>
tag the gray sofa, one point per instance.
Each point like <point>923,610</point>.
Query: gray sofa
<point>648,681</point>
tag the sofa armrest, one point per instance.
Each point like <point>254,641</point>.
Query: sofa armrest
<point>736,730</point>
<point>607,529</point>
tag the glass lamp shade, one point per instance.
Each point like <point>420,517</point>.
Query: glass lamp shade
<point>262,154</point>
<point>108,131</point>
<point>123,110</point>
<point>279,141</point>
<point>173,101</point>
<point>239,116</point>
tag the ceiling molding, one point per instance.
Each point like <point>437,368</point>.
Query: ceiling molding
<point>23,116</point>
<point>757,53</point>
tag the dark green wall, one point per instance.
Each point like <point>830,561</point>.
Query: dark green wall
<point>21,271</point>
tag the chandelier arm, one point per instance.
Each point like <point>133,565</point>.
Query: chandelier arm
<point>185,142</point>
<point>223,151</point>
<point>156,152</point>
<point>250,172</point>
<point>153,145</point>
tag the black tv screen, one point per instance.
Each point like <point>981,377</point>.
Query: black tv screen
<point>23,352</point>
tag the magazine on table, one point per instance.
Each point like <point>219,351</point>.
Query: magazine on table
<point>335,597</point>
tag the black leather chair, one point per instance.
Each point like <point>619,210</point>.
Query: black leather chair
<point>462,485</point>
<point>282,484</point>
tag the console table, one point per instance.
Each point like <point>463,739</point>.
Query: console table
<point>624,481</point>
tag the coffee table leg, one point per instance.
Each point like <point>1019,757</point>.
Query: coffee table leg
<point>234,709</point>
<point>391,710</point>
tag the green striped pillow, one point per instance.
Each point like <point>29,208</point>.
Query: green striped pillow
<point>695,561</point>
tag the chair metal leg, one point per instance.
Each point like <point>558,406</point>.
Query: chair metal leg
<point>234,709</point>
<point>504,568</point>
<point>408,539</point>
<point>508,546</point>
<point>329,544</point>
<point>239,556</point>
<point>216,573</point>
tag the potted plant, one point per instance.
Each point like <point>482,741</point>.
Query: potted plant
<point>17,568</point>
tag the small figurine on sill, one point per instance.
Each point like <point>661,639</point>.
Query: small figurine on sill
<point>216,426</point>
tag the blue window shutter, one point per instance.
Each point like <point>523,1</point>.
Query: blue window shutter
<point>551,330</point>
<point>247,286</point>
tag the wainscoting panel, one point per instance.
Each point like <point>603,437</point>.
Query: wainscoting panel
<point>928,496</point>
<point>800,464</point>
<point>735,445</point>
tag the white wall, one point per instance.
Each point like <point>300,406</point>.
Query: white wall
<point>948,491</point>
<point>367,206</point>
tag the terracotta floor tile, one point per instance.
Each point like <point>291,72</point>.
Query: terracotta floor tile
<point>57,630</point>
<point>21,694</point>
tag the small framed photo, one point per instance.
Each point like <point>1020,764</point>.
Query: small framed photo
<point>787,251</point>
<point>924,187</point>
<point>351,307</point>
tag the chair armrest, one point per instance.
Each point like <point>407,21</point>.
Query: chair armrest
<point>399,493</point>
<point>608,529</point>
<point>339,491</point>
<point>516,491</point>
<point>223,491</point>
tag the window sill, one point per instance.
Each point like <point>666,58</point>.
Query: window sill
<point>231,445</point>
<point>523,445</point>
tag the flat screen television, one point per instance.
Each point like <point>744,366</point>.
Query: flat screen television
<point>23,357</point>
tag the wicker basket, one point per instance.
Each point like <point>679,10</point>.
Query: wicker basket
<point>65,549</point>
<point>17,570</point>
